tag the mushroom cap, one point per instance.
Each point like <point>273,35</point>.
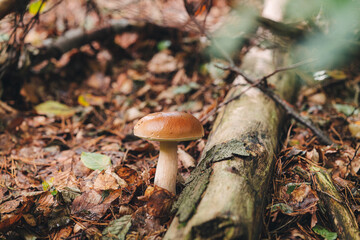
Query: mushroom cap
<point>169,126</point>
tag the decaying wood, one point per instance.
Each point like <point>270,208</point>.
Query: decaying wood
<point>335,207</point>
<point>75,38</point>
<point>225,196</point>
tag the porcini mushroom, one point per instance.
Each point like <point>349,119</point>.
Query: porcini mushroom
<point>168,128</point>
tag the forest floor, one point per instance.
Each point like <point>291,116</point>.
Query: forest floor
<point>52,186</point>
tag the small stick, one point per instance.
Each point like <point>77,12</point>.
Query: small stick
<point>213,111</point>
<point>323,138</point>
<point>295,65</point>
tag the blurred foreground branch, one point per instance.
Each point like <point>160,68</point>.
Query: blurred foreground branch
<point>9,6</point>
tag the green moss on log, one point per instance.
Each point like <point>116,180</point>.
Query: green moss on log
<point>199,179</point>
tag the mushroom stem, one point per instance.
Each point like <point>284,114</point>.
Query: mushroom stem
<point>166,170</point>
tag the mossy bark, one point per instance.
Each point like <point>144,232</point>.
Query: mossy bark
<point>335,207</point>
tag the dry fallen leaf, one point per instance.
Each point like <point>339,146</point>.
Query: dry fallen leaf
<point>105,181</point>
<point>185,159</point>
<point>133,113</point>
<point>355,129</point>
<point>163,62</point>
<point>123,84</point>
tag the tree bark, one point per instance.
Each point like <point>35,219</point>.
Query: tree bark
<point>339,213</point>
<point>225,196</point>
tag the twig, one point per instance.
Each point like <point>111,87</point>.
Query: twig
<point>282,69</point>
<point>208,36</point>
<point>78,37</point>
<point>222,104</point>
<point>356,152</point>
<point>323,138</point>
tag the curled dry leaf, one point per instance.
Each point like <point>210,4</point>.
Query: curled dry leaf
<point>354,129</point>
<point>163,62</point>
<point>30,219</point>
<point>93,202</point>
<point>63,233</point>
<point>313,155</point>
<point>303,198</point>
<point>317,98</point>
<point>123,84</point>
<point>98,81</point>
<point>160,202</point>
<point>126,39</point>
<point>186,159</point>
<point>147,194</point>
<point>130,176</point>
<point>133,113</point>
<point>10,206</point>
<point>45,203</point>
<point>86,201</point>
<point>105,181</point>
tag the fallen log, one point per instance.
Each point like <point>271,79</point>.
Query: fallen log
<point>225,196</point>
<point>229,187</point>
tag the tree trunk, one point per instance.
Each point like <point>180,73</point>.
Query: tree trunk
<point>225,195</point>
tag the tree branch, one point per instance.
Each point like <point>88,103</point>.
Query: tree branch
<point>78,37</point>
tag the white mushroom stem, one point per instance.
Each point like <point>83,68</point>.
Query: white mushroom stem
<point>166,170</point>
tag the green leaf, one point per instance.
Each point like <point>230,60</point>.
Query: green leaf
<point>53,108</point>
<point>326,234</point>
<point>162,45</point>
<point>345,109</point>
<point>46,186</point>
<point>291,188</point>
<point>186,88</point>
<point>37,7</point>
<point>95,161</point>
<point>284,208</point>
<point>49,186</point>
<point>117,229</point>
<point>4,37</point>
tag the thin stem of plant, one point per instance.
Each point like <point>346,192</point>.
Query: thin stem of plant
<point>323,138</point>
<point>286,68</point>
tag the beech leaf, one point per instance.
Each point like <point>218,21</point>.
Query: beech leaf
<point>37,7</point>
<point>95,161</point>
<point>326,234</point>
<point>117,229</point>
<point>54,108</point>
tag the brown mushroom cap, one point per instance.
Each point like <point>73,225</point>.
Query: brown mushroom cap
<point>169,126</point>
